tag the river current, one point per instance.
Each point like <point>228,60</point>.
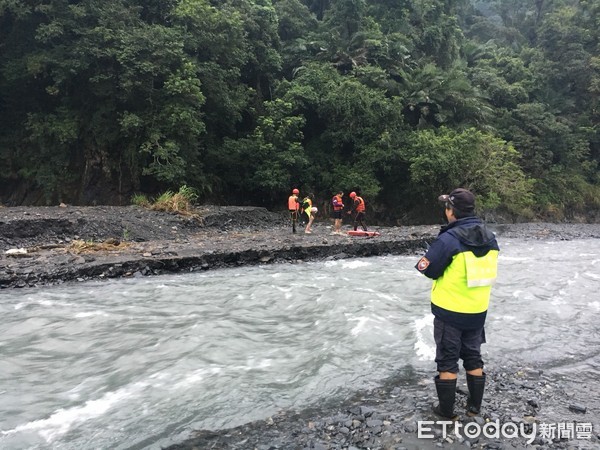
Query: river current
<point>138,363</point>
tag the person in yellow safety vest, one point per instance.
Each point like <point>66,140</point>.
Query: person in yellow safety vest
<point>293,208</point>
<point>463,262</point>
<point>338,207</point>
<point>310,211</point>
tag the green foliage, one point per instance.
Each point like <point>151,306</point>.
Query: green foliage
<point>140,200</point>
<point>179,202</point>
<point>436,97</point>
<point>242,99</point>
<point>294,19</point>
<point>442,160</point>
<point>356,178</point>
<point>49,169</point>
<point>272,156</point>
<point>565,194</point>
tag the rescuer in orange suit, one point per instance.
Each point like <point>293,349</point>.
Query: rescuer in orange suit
<point>293,208</point>
<point>358,206</point>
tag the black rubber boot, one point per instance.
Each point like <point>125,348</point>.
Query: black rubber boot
<point>476,385</point>
<point>446,391</point>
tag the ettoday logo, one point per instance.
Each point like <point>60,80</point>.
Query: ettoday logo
<point>509,430</point>
<point>472,430</point>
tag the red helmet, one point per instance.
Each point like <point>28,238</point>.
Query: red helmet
<point>295,191</point>
<point>352,194</point>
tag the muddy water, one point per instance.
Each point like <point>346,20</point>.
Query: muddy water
<point>130,363</point>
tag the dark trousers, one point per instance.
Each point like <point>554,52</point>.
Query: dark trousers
<point>358,219</point>
<point>453,344</point>
<point>294,219</point>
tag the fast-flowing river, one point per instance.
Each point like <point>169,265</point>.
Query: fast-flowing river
<point>137,363</point>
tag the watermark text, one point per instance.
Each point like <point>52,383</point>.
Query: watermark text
<point>509,430</point>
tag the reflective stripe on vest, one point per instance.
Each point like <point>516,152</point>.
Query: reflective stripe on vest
<point>481,271</point>
<point>466,283</point>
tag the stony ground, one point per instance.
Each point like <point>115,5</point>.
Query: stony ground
<point>53,245</point>
<point>33,226</point>
<point>49,245</point>
<point>392,416</point>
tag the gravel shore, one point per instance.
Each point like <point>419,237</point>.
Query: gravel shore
<point>52,245</point>
<point>43,246</point>
<point>398,416</point>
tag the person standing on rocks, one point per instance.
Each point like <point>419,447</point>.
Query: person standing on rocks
<point>462,261</point>
<point>310,211</point>
<point>294,208</point>
<point>338,207</point>
<point>358,206</point>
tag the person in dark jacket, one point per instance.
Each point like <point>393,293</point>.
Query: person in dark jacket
<point>463,263</point>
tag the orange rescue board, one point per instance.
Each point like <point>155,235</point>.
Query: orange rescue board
<point>363,233</point>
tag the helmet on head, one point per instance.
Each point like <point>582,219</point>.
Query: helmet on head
<point>352,194</point>
<point>295,191</point>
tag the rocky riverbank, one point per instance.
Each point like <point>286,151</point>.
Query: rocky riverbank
<point>523,408</point>
<point>50,245</point>
<point>557,408</point>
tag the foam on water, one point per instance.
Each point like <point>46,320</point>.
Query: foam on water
<point>364,325</point>
<point>502,257</point>
<point>83,315</point>
<point>61,421</point>
<point>424,346</point>
<point>355,263</point>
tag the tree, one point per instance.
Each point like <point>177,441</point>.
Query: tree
<point>443,159</point>
<point>271,159</point>
<point>123,92</point>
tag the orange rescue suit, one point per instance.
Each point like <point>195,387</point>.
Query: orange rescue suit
<point>361,204</point>
<point>293,204</point>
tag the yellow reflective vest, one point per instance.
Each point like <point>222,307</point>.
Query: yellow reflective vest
<point>465,285</point>
<point>463,264</point>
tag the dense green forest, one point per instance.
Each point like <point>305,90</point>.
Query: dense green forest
<point>243,100</point>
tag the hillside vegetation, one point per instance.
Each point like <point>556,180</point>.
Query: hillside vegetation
<point>241,100</point>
